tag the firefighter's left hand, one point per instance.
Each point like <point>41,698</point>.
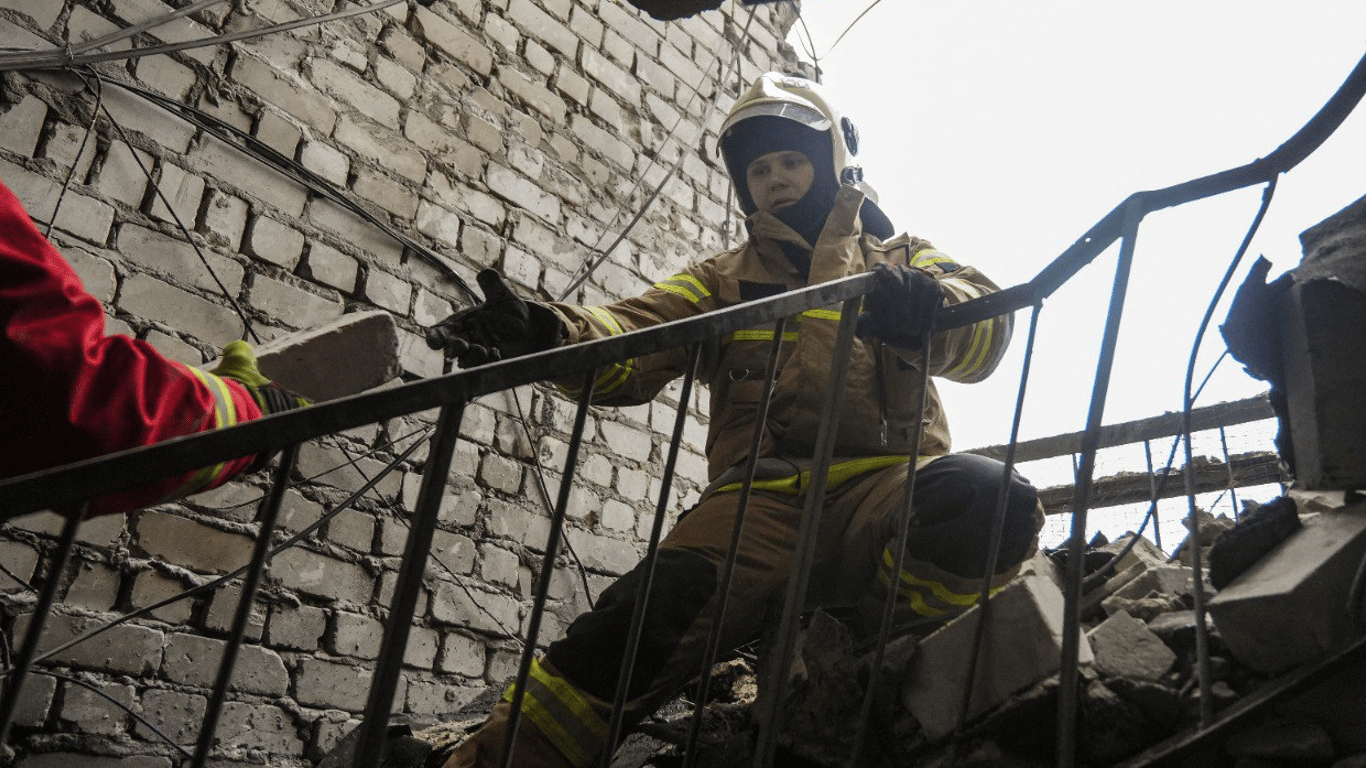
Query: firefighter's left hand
<point>903,306</point>
<point>504,326</point>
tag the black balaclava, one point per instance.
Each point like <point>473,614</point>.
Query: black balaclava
<point>759,135</point>
<point>750,139</point>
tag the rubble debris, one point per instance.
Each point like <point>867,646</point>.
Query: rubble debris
<point>1124,647</point>
<point>1292,605</point>
<point>1023,646</point>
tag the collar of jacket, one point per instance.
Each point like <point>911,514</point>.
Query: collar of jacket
<point>836,253</point>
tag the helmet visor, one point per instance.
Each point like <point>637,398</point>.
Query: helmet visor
<point>799,113</point>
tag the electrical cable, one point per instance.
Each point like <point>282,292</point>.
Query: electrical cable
<point>545,492</point>
<point>125,707</point>
<point>847,29</point>
<point>75,162</point>
<point>227,577</point>
<point>435,556</point>
<point>7,572</point>
<point>63,58</point>
<point>586,269</point>
<point>249,329</point>
<point>424,432</point>
<point>259,150</point>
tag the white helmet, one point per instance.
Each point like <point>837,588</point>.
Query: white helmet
<point>800,101</point>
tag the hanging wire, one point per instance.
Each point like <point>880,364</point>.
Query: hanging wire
<point>166,203</point>
<point>849,28</point>
<point>586,269</point>
<point>1201,631</point>
<point>228,577</point>
<point>255,148</point>
<point>67,57</point>
<point>76,161</point>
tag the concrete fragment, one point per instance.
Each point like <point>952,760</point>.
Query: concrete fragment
<point>1141,608</point>
<point>1292,605</point>
<point>356,352</point>
<point>1324,352</point>
<point>1124,647</point>
<point>1143,551</point>
<point>1023,646</point>
<point>1162,579</point>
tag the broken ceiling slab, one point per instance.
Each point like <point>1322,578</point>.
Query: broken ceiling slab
<point>1292,605</point>
<point>1023,646</point>
<point>354,353</point>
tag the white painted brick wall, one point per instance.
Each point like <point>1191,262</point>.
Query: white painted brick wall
<point>510,134</point>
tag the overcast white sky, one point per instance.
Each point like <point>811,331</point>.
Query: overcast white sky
<point>1003,130</point>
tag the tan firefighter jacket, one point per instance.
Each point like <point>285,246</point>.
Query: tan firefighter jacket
<point>882,393</point>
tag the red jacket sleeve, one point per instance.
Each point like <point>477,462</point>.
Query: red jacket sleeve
<point>68,392</point>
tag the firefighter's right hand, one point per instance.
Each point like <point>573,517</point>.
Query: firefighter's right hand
<point>902,307</point>
<point>503,326</point>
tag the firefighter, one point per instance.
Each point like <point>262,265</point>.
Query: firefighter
<point>811,219</point>
<point>73,393</point>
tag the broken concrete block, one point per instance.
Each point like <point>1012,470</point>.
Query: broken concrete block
<point>1042,565</point>
<point>1292,605</point>
<point>1023,645</point>
<point>1142,608</point>
<point>347,356</point>
<point>1143,551</point>
<point>1124,647</point>
<point>1323,353</point>
<point>1162,579</point>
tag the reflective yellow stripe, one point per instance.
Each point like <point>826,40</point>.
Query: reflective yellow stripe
<point>914,599</point>
<point>563,715</point>
<point>687,286</point>
<point>840,473</point>
<point>607,319</point>
<point>914,587</point>
<point>224,415</point>
<point>822,314</point>
<point>976,355</point>
<point>760,336</point>
<point>928,258</point>
<point>613,377</point>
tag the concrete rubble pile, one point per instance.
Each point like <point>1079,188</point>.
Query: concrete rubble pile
<point>1138,680</point>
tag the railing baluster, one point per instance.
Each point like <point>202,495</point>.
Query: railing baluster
<point>647,565</point>
<point>270,512</point>
<point>1152,494</point>
<point>14,680</point>
<point>733,550</point>
<point>771,706</point>
<point>548,566</point>
<point>1076,543</point>
<point>398,624</point>
<point>997,531</point>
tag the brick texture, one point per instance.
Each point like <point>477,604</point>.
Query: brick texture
<point>505,134</point>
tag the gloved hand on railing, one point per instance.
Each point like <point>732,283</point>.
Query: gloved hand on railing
<point>239,364</point>
<point>503,326</point>
<point>902,307</point>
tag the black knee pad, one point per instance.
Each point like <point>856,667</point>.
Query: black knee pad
<point>955,504</point>
<point>591,652</point>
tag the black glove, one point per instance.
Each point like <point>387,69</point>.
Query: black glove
<point>503,326</point>
<point>902,307</point>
